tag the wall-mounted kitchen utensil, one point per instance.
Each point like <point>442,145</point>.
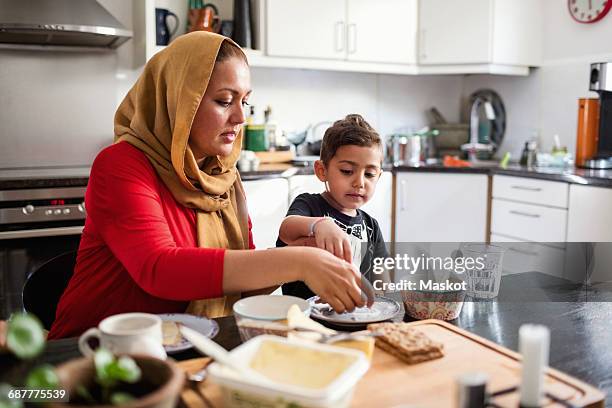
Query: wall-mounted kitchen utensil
<point>162,32</point>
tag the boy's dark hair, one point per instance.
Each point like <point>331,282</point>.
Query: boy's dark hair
<point>352,130</point>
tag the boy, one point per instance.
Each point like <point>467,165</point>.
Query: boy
<point>350,166</point>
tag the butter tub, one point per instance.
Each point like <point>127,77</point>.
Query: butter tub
<point>318,360</point>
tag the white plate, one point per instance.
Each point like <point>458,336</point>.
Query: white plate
<point>382,309</point>
<point>207,327</point>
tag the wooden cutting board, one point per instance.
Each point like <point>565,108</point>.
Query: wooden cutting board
<point>390,382</point>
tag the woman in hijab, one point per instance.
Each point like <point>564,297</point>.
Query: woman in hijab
<point>167,227</point>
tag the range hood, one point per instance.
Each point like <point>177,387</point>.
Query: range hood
<point>65,23</point>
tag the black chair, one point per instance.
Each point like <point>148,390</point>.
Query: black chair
<point>44,287</point>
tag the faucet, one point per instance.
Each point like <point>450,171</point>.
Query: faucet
<point>474,146</point>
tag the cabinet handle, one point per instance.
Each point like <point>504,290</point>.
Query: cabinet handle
<point>526,188</point>
<point>352,38</point>
<point>403,195</point>
<point>524,214</point>
<point>339,36</point>
<point>524,252</point>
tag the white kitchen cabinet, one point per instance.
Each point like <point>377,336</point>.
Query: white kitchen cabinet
<point>307,29</point>
<point>590,214</point>
<point>267,203</point>
<point>343,30</point>
<point>382,31</point>
<point>532,214</point>
<point>589,233</point>
<point>521,256</point>
<point>441,207</point>
<point>530,210</point>
<point>504,32</point>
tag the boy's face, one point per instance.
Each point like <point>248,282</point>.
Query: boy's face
<point>352,175</point>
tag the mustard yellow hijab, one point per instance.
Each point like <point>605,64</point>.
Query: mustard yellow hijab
<point>156,117</point>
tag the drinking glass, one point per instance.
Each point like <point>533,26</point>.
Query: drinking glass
<point>484,277</point>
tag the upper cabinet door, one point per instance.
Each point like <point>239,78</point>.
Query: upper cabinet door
<point>306,29</point>
<point>382,31</point>
<point>455,32</point>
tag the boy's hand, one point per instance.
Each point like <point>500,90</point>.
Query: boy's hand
<point>331,238</point>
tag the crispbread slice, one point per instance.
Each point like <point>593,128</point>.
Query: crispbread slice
<point>406,358</point>
<point>406,343</point>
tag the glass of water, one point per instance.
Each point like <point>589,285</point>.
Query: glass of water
<point>484,273</point>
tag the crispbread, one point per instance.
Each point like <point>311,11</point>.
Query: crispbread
<point>406,343</point>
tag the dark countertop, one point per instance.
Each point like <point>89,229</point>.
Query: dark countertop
<point>580,329</point>
<point>78,176</point>
<point>596,178</point>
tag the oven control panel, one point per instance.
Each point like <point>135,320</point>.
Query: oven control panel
<point>23,207</point>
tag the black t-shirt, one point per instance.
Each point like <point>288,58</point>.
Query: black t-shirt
<point>363,230</point>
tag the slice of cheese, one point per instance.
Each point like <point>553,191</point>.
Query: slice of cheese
<point>296,319</point>
<point>364,344</point>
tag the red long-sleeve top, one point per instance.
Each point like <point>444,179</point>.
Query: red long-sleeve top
<point>138,251</point>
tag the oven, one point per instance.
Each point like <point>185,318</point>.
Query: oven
<point>36,225</point>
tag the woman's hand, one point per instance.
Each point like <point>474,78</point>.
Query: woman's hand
<point>331,238</point>
<point>336,281</point>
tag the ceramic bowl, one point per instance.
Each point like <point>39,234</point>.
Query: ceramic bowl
<point>442,305</point>
<point>265,314</point>
<point>164,378</point>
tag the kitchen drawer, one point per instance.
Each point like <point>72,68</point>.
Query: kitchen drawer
<point>530,256</point>
<point>527,190</point>
<point>528,222</point>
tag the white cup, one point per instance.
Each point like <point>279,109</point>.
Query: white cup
<point>127,333</point>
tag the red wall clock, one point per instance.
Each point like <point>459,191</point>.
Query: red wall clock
<point>588,11</point>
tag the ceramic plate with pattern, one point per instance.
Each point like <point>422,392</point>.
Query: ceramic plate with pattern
<point>383,309</point>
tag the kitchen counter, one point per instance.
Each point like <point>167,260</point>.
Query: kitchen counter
<point>578,318</point>
<point>596,178</point>
<point>78,176</point>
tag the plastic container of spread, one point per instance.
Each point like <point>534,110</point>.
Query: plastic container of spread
<point>298,373</point>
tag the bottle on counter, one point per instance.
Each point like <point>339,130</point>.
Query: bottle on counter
<point>271,127</point>
<point>250,118</point>
<point>255,133</point>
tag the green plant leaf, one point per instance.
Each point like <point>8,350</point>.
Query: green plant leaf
<point>127,370</point>
<point>118,398</point>
<point>43,376</point>
<point>104,360</point>
<point>25,335</point>
<point>5,401</point>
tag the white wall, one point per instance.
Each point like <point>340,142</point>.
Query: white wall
<point>548,99</point>
<point>388,102</point>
